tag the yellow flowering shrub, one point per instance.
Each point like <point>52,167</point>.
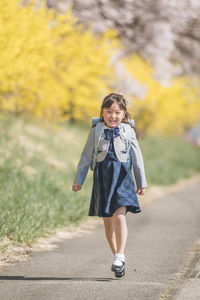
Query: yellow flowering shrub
<point>53,68</point>
<point>50,66</point>
<point>164,110</point>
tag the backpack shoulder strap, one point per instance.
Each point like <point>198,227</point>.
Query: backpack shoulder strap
<point>128,132</point>
<point>97,136</point>
<point>98,133</point>
<point>128,129</point>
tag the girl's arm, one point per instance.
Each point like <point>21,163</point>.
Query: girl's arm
<point>84,162</point>
<point>138,165</point>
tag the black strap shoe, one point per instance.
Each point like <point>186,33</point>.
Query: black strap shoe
<point>119,270</point>
<point>120,274</point>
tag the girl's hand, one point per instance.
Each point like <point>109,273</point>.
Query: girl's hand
<point>140,191</point>
<point>76,187</point>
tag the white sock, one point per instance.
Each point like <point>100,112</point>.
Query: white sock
<point>119,258</point>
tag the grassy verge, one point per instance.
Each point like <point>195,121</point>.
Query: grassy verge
<point>37,166</point>
<point>168,160</point>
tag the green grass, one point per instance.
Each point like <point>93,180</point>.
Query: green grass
<point>37,167</point>
<point>168,159</point>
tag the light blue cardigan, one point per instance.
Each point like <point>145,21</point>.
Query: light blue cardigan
<point>120,150</point>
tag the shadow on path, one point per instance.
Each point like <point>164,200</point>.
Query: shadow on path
<point>55,278</point>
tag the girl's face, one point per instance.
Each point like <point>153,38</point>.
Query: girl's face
<point>113,115</point>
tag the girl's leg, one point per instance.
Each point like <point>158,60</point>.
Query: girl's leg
<point>110,233</point>
<point>116,233</point>
<point>120,227</point>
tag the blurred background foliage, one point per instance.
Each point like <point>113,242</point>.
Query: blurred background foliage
<point>54,68</point>
<point>50,67</point>
<point>164,110</point>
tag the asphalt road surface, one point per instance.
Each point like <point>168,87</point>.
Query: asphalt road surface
<point>160,240</point>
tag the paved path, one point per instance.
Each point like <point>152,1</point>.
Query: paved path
<point>157,249</point>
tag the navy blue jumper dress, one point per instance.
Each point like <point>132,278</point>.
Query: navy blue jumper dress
<point>113,184</point>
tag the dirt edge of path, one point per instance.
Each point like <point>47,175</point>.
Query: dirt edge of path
<point>189,271</point>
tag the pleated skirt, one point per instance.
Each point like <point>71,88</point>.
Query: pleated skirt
<point>113,187</point>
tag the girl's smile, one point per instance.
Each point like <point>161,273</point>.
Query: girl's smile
<point>113,115</point>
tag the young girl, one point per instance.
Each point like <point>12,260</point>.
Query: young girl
<point>114,192</point>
